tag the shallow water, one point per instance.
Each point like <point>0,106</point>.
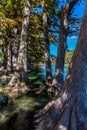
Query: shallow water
<point>18,114</point>
<point>53,70</point>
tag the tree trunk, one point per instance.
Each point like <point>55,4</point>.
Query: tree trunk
<point>58,76</point>
<point>47,45</point>
<point>69,111</point>
<point>7,54</point>
<point>5,51</point>
<point>15,35</point>
<point>58,79</point>
<point>20,77</point>
<point>15,47</point>
<point>9,63</point>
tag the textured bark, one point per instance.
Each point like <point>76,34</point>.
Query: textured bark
<point>15,37</point>
<point>7,55</point>
<point>58,76</point>
<point>21,74</point>
<point>5,51</point>
<point>7,67</point>
<point>47,44</point>
<point>15,47</point>
<point>69,111</point>
<point>9,63</point>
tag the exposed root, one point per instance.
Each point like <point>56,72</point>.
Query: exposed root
<point>40,114</point>
<point>16,86</point>
<point>5,75</point>
<point>62,115</point>
<point>49,115</point>
<point>50,89</point>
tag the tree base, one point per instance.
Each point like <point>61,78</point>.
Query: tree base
<point>66,113</point>
<point>5,75</point>
<point>50,89</point>
<point>16,86</point>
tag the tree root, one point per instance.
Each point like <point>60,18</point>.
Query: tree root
<point>5,75</point>
<point>50,89</point>
<point>62,115</point>
<point>16,86</point>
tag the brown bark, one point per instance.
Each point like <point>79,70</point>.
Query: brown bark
<point>15,37</point>
<point>58,76</point>
<point>47,44</point>
<point>9,63</point>
<point>69,111</point>
<point>20,77</point>
<point>5,51</point>
<point>15,47</point>
<point>7,54</point>
<point>10,52</point>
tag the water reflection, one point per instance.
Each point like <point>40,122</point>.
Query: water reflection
<point>19,113</point>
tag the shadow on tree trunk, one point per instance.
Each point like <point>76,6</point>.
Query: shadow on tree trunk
<point>69,111</point>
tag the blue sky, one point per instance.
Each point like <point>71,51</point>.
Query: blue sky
<point>71,45</point>
<point>71,41</point>
<point>79,9</point>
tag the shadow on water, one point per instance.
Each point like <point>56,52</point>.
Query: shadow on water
<point>18,114</point>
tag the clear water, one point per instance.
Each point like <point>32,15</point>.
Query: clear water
<point>53,70</point>
<point>15,114</point>
<point>18,114</point>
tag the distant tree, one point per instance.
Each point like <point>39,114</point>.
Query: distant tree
<point>11,21</point>
<point>10,26</point>
<point>69,111</point>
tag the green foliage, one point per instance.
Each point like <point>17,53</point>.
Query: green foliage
<point>11,15</point>
<point>35,78</point>
<point>68,56</point>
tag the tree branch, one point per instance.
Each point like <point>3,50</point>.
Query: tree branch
<point>71,5</point>
<point>40,28</point>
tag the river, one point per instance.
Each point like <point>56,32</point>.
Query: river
<point>53,70</point>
